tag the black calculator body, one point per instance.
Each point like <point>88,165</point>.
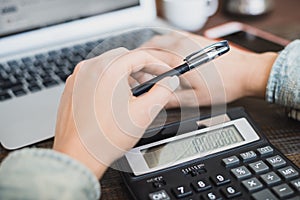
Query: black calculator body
<point>256,170</point>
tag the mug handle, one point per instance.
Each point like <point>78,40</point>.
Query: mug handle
<point>212,6</point>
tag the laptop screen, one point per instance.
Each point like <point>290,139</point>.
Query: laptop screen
<point>24,15</point>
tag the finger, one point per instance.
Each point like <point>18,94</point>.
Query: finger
<point>133,82</point>
<point>154,100</point>
<point>70,80</point>
<point>94,67</point>
<point>142,61</point>
<point>171,58</point>
<point>108,56</point>
<point>177,42</point>
<point>142,76</point>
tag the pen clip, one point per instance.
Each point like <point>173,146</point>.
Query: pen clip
<point>213,51</point>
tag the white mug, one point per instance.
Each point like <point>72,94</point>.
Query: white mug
<point>189,15</point>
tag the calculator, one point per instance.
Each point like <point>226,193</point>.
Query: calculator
<point>209,158</point>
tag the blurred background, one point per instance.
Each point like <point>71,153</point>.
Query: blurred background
<point>279,17</point>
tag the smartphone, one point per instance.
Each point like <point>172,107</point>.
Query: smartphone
<point>247,37</point>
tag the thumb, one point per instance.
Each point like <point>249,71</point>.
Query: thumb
<point>157,97</point>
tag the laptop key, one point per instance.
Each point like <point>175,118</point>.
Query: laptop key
<point>13,64</point>
<point>32,81</point>
<point>19,91</point>
<point>4,96</point>
<point>1,67</point>
<point>65,50</point>
<point>9,85</point>
<point>41,57</point>
<point>76,60</point>
<point>63,76</point>
<point>19,77</point>
<point>34,87</point>
<point>53,53</point>
<point>27,61</point>
<point>4,83</point>
<point>49,82</point>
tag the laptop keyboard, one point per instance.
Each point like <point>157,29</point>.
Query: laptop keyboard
<point>31,74</point>
<point>37,72</point>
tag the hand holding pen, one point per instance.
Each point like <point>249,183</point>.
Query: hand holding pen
<point>192,61</point>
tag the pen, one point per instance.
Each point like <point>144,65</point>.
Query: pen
<point>192,61</point>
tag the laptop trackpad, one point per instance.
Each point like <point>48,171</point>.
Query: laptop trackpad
<point>29,119</point>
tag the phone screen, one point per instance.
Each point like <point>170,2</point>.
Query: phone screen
<point>253,42</point>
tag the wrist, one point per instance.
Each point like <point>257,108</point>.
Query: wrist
<point>260,66</point>
<point>82,156</point>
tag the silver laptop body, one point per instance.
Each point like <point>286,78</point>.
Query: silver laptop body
<point>28,109</point>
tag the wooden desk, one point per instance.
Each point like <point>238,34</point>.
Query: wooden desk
<point>281,131</point>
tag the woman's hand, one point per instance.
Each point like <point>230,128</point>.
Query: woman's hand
<point>236,74</point>
<point>99,119</point>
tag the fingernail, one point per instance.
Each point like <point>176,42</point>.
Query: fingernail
<point>173,83</point>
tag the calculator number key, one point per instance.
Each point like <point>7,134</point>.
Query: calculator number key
<point>230,192</point>
<point>220,179</point>
<point>211,196</point>
<point>201,185</point>
<point>182,191</point>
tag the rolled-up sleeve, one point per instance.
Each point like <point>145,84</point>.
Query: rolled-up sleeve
<point>284,82</point>
<point>46,174</point>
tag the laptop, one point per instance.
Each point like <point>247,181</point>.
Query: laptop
<point>41,42</point>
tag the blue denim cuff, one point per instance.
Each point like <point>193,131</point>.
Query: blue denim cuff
<point>46,174</point>
<point>284,81</point>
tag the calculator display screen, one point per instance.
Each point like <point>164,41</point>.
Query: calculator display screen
<point>187,147</point>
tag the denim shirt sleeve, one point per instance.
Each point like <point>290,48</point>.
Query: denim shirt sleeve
<point>284,82</point>
<point>46,174</point>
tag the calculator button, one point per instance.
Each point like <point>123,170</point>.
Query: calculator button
<point>247,156</point>
<point>241,172</point>
<point>211,196</point>
<point>182,191</point>
<point>159,195</point>
<point>270,178</point>
<point>288,172</point>
<point>220,179</point>
<point>252,184</point>
<point>231,161</point>
<point>264,195</point>
<point>265,151</point>
<point>276,161</point>
<point>296,184</point>
<point>230,192</point>
<point>283,190</point>
<point>201,185</point>
<point>259,167</point>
